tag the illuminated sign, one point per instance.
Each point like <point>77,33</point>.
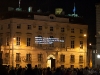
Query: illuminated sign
<point>44,40</point>
<point>58,11</point>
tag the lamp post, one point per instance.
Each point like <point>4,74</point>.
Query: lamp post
<point>90,55</point>
<point>0,50</point>
<point>85,51</point>
<point>13,52</point>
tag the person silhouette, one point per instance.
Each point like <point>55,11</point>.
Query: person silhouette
<point>29,70</point>
<point>3,70</point>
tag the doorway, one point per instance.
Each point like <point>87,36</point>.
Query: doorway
<point>51,62</point>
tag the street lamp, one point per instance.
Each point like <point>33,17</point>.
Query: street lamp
<point>84,35</point>
<point>13,52</point>
<point>98,56</point>
<point>90,44</point>
<point>85,60</point>
<point>90,55</point>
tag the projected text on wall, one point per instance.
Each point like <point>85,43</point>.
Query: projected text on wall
<point>44,40</point>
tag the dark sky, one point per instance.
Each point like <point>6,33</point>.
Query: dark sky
<point>85,8</point>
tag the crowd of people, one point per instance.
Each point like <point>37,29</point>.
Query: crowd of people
<point>47,71</point>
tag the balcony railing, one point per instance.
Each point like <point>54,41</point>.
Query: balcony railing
<point>28,60</point>
<point>40,61</point>
<point>72,61</point>
<point>80,62</point>
<point>18,60</point>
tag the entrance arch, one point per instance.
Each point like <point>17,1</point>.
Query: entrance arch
<point>51,61</point>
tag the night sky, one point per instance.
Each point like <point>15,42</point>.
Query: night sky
<point>85,8</point>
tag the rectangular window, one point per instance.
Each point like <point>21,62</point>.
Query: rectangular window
<point>62,44</point>
<point>72,30</point>
<point>40,41</point>
<point>72,44</point>
<point>1,27</point>
<point>40,57</point>
<point>17,65</point>
<point>80,59</point>
<point>62,30</point>
<point>81,44</point>
<point>28,26</point>
<point>81,66</point>
<point>40,28</point>
<point>6,59</point>
<point>81,31</point>
<point>62,38</point>
<point>28,41</point>
<point>6,55</point>
<point>28,57</point>
<point>39,65</point>
<point>1,41</point>
<point>18,26</point>
<point>72,58</point>
<point>51,28</point>
<point>51,44</point>
<point>62,58</point>
<point>7,41</point>
<point>62,66</point>
<point>18,57</point>
<point>0,55</point>
<point>51,17</point>
<point>71,66</point>
<point>18,41</point>
<point>8,26</point>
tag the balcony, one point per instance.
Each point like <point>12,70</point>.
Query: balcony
<point>18,60</point>
<point>28,60</point>
<point>72,62</point>
<point>40,61</point>
<point>80,62</point>
<point>62,61</point>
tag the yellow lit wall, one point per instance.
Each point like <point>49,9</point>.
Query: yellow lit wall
<point>34,50</point>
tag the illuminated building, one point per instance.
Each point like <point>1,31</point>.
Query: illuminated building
<point>97,55</point>
<point>69,51</point>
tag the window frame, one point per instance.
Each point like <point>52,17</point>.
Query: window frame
<point>62,29</point>
<point>72,30</point>
<point>18,40</point>
<point>62,58</point>
<point>72,58</point>
<point>81,44</point>
<point>51,29</point>
<point>72,44</point>
<point>18,26</point>
<point>18,57</point>
<point>40,57</point>
<point>80,58</point>
<point>28,41</point>
<point>39,27</point>
<point>29,27</point>
<point>28,56</point>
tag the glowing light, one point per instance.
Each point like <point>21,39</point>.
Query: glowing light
<point>43,40</point>
<point>98,56</point>
<point>85,35</point>
<point>51,56</point>
<point>90,44</point>
<point>14,38</point>
<point>49,63</point>
<point>74,8</point>
<point>58,11</point>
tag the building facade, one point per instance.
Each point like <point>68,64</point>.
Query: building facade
<point>97,55</point>
<point>46,41</point>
